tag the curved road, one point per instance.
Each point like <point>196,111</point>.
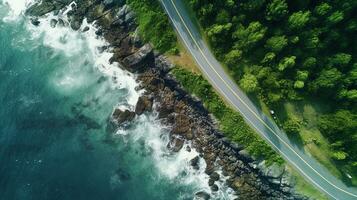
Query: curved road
<point>213,71</point>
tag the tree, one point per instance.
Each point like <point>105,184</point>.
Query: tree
<point>339,155</point>
<point>323,9</point>
<point>340,60</point>
<point>248,37</point>
<point>269,57</point>
<point>350,95</point>
<point>292,125</point>
<point>276,10</point>
<point>310,62</point>
<point>302,75</point>
<point>218,32</point>
<point>328,79</point>
<point>335,17</point>
<point>223,17</point>
<point>286,62</point>
<point>298,20</point>
<point>249,83</point>
<point>233,57</point>
<point>253,5</point>
<point>299,84</point>
<point>277,43</point>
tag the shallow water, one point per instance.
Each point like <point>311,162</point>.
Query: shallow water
<point>58,91</point>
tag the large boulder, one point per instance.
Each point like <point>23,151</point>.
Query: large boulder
<point>175,144</point>
<point>182,125</point>
<point>140,60</point>
<point>144,104</point>
<point>122,116</point>
<point>195,163</point>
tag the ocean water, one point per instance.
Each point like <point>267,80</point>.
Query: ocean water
<point>57,92</point>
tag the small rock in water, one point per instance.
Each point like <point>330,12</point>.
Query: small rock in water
<point>85,29</point>
<point>214,188</point>
<point>35,21</point>
<point>53,23</point>
<point>61,22</point>
<point>202,196</point>
<point>144,104</point>
<point>122,116</point>
<point>195,163</point>
<point>214,176</point>
<point>175,144</point>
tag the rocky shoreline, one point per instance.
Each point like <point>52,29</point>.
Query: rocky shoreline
<point>188,118</point>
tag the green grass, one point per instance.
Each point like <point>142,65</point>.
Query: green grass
<point>304,187</point>
<point>310,138</point>
<point>154,26</point>
<point>231,123</point>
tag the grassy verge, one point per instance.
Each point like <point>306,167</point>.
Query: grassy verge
<point>154,26</point>
<point>310,138</point>
<point>231,123</point>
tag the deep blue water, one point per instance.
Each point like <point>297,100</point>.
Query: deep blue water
<point>56,141</point>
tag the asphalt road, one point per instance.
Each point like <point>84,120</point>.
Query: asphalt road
<point>213,71</point>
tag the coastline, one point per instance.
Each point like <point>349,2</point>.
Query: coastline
<point>190,121</point>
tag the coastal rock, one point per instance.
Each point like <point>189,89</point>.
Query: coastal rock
<point>53,23</point>
<point>121,116</point>
<point>35,21</point>
<point>202,196</point>
<point>214,188</point>
<point>214,176</point>
<point>245,155</point>
<point>144,104</point>
<point>85,29</point>
<point>140,60</point>
<point>42,8</point>
<point>194,162</point>
<point>175,144</point>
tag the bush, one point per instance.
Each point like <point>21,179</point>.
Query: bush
<point>154,25</point>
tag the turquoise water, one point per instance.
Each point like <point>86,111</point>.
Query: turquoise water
<point>56,142</point>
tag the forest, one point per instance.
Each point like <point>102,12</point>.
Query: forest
<point>288,50</point>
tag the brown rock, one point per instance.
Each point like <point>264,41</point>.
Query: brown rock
<point>144,104</point>
<point>122,116</point>
<point>175,144</point>
<point>140,60</point>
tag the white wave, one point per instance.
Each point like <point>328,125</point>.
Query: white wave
<point>16,8</point>
<point>175,166</point>
<point>78,46</point>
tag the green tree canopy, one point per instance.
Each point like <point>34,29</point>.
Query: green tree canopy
<point>287,62</point>
<point>299,19</point>
<point>277,43</point>
<point>323,9</point>
<point>328,79</point>
<point>248,37</point>
<point>276,10</point>
<point>249,83</point>
<point>233,57</point>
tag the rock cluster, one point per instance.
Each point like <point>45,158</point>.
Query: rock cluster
<point>188,118</point>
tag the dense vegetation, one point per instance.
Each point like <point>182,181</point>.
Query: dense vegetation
<point>232,124</point>
<point>289,50</point>
<point>154,25</point>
